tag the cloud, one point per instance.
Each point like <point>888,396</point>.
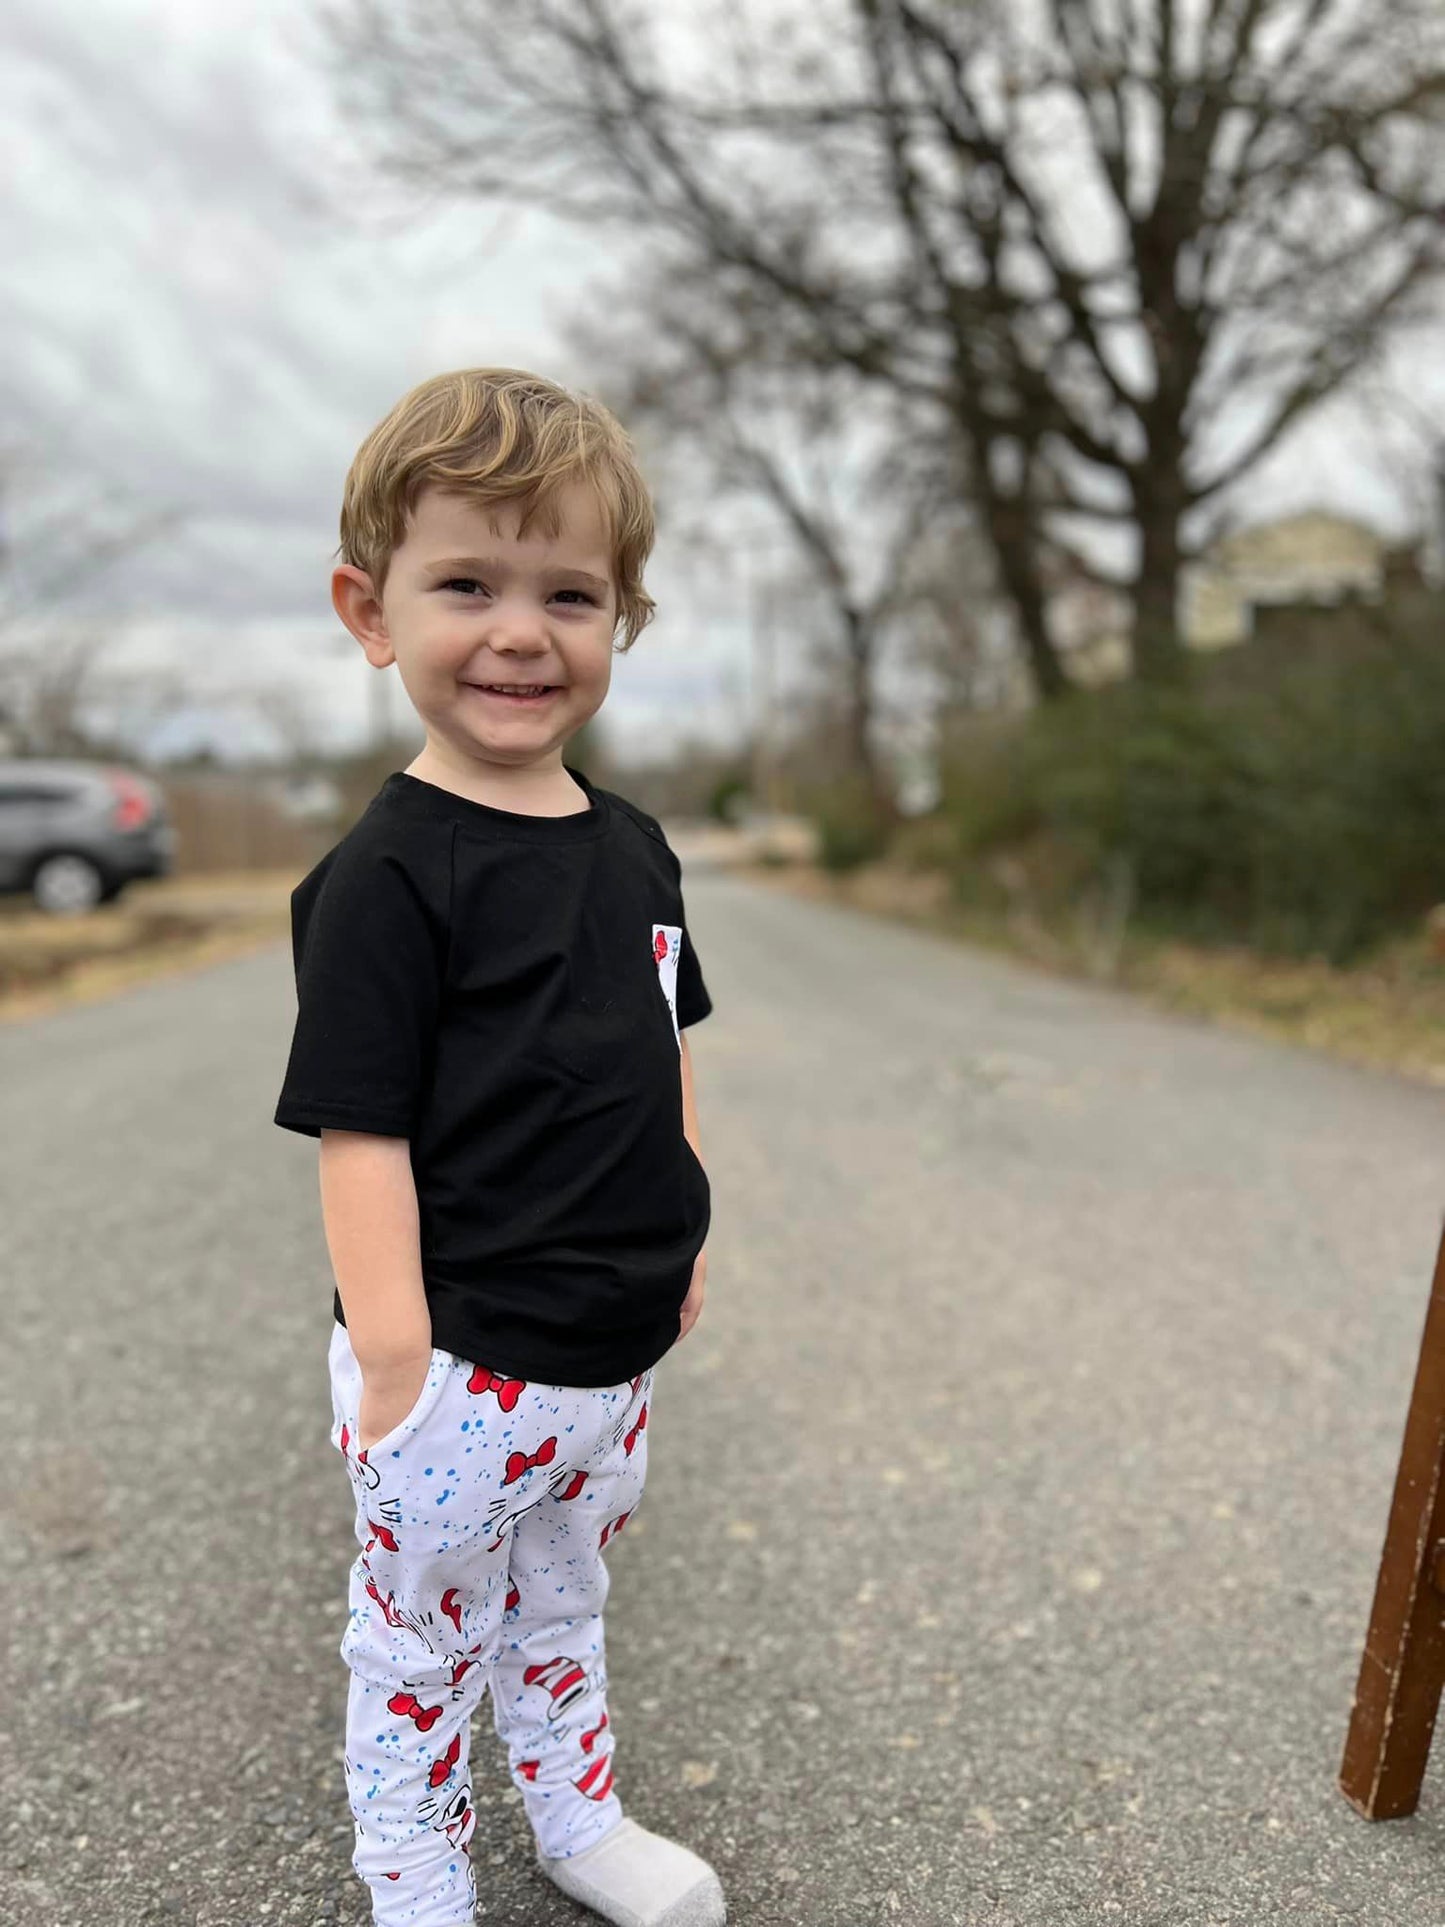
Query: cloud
<point>193,316</point>
<point>206,305</point>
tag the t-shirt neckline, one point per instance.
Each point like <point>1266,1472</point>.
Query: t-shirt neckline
<point>418,793</point>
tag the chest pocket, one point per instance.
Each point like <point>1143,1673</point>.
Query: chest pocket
<point>619,1035</point>
<point>593,1041</point>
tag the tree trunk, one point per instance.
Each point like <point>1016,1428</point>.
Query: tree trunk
<point>860,644</point>
<point>1018,569</point>
<point>1159,653</point>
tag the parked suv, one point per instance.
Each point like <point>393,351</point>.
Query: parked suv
<point>73,834</point>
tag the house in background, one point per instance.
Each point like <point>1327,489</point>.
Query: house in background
<point>1313,557</point>
<point>1316,557</point>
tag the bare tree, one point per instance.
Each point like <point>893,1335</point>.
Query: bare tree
<point>59,537</point>
<point>58,696</point>
<point>291,716</point>
<point>1216,212</point>
<point>952,622</point>
<point>853,481</point>
<point>1123,246</point>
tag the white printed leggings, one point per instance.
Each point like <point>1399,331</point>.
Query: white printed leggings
<point>482,1518</point>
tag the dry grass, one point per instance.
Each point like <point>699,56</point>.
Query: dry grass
<point>1388,1013</point>
<point>153,929</point>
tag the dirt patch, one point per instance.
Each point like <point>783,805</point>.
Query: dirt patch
<point>153,929</point>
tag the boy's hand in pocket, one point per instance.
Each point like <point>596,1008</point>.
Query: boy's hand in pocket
<point>388,1392</point>
<point>692,1304</point>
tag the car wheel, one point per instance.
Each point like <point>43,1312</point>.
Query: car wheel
<point>67,885</point>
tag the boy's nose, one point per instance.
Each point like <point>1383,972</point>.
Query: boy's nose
<point>516,620</point>
<point>515,664</point>
<point>515,656</point>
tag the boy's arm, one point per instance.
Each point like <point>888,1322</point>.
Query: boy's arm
<point>369,1209</point>
<point>689,1098</point>
<point>692,1304</point>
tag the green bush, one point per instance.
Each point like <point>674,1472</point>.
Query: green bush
<point>850,828</point>
<point>730,795</point>
<point>1303,816</point>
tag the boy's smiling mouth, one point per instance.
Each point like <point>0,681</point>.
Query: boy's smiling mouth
<point>516,692</point>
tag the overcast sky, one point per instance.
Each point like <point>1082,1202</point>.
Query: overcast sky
<point>190,324</point>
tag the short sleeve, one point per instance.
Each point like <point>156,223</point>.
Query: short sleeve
<point>369,954</point>
<point>693,1001</point>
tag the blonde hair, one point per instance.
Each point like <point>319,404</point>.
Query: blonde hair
<point>500,435</point>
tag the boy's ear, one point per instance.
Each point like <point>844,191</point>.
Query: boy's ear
<point>354,598</point>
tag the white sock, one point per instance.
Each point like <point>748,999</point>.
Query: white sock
<point>638,1879</point>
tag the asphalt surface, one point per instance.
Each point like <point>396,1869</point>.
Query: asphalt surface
<point>1013,1512</point>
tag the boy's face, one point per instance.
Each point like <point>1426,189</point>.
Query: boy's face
<point>468,602</point>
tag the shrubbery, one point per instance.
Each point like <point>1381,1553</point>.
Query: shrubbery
<point>1303,817</point>
<point>850,827</point>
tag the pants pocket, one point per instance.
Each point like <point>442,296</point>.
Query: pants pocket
<point>346,1386</point>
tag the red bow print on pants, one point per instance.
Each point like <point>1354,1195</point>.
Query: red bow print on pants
<point>508,1390</point>
<point>641,1426</point>
<point>520,1462</point>
<point>441,1767</point>
<point>424,1718</point>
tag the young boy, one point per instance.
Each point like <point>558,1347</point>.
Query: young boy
<point>494,982</point>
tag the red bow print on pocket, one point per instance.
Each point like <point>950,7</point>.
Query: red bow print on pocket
<point>520,1462</point>
<point>508,1390</point>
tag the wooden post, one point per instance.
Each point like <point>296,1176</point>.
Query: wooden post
<point>1403,1666</point>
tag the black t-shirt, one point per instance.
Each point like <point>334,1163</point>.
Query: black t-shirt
<point>507,992</point>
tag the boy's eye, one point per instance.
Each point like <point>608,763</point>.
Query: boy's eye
<point>465,584</point>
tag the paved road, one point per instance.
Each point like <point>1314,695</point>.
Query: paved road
<point>1014,1510</point>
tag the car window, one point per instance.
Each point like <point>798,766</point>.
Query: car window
<point>34,792</point>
